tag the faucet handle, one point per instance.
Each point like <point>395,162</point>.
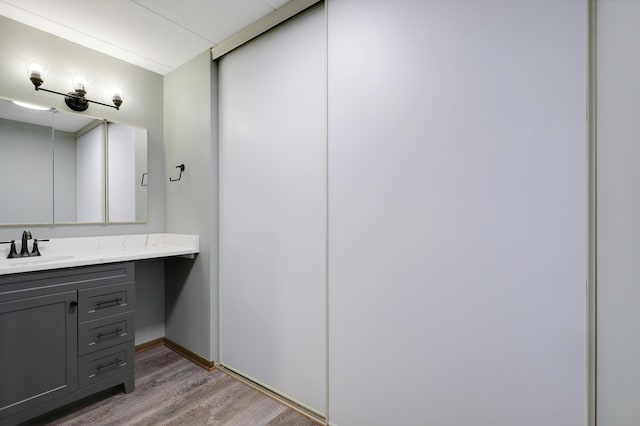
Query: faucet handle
<point>36,251</point>
<point>12,251</point>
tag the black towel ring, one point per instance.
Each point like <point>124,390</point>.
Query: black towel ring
<point>181,167</point>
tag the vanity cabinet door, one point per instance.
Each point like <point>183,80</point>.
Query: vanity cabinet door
<point>38,359</point>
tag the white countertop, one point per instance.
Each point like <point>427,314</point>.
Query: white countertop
<point>69,252</point>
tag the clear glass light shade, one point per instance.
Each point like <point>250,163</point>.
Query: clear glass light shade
<point>117,98</point>
<point>117,95</point>
<point>80,84</point>
<point>36,71</point>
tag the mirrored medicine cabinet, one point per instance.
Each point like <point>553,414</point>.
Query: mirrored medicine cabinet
<point>60,167</point>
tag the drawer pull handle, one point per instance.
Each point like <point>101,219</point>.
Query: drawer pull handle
<point>108,302</point>
<point>111,364</point>
<point>101,335</point>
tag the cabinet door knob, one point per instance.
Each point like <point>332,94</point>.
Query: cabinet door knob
<point>72,305</point>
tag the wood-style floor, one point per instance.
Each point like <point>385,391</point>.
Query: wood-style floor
<point>171,390</point>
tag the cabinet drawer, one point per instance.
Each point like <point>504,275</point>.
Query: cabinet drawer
<point>105,301</point>
<point>105,332</point>
<point>66,279</point>
<point>106,363</point>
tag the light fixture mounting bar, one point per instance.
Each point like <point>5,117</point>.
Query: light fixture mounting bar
<point>78,97</point>
<point>75,100</point>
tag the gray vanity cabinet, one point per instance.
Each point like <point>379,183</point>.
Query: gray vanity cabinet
<point>37,359</point>
<point>64,335</point>
<point>105,332</point>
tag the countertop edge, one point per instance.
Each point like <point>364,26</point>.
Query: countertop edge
<point>155,246</point>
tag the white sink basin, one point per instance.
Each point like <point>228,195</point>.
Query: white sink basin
<point>36,260</point>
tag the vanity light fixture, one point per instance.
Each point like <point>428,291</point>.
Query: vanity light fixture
<point>75,100</point>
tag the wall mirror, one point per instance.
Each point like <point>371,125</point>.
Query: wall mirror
<point>62,167</point>
<point>26,165</point>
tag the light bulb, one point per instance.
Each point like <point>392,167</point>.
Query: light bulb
<point>36,74</point>
<point>35,70</point>
<point>80,85</point>
<point>118,97</point>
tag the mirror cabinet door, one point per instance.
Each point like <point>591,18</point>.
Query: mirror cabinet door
<point>26,165</point>
<point>79,146</point>
<point>126,173</point>
<point>90,200</point>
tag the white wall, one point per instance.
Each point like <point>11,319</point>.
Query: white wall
<point>618,212</point>
<point>457,212</point>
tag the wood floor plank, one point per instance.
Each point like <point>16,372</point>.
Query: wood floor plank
<point>291,418</point>
<point>171,390</point>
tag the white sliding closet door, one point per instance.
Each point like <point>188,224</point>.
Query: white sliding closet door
<point>457,212</point>
<point>618,213</point>
<point>272,209</point>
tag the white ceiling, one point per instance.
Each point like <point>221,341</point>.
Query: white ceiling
<point>66,122</point>
<point>158,35</point>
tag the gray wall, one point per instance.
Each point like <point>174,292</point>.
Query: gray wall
<point>65,177</point>
<point>26,151</point>
<point>191,204</point>
<point>19,46</point>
